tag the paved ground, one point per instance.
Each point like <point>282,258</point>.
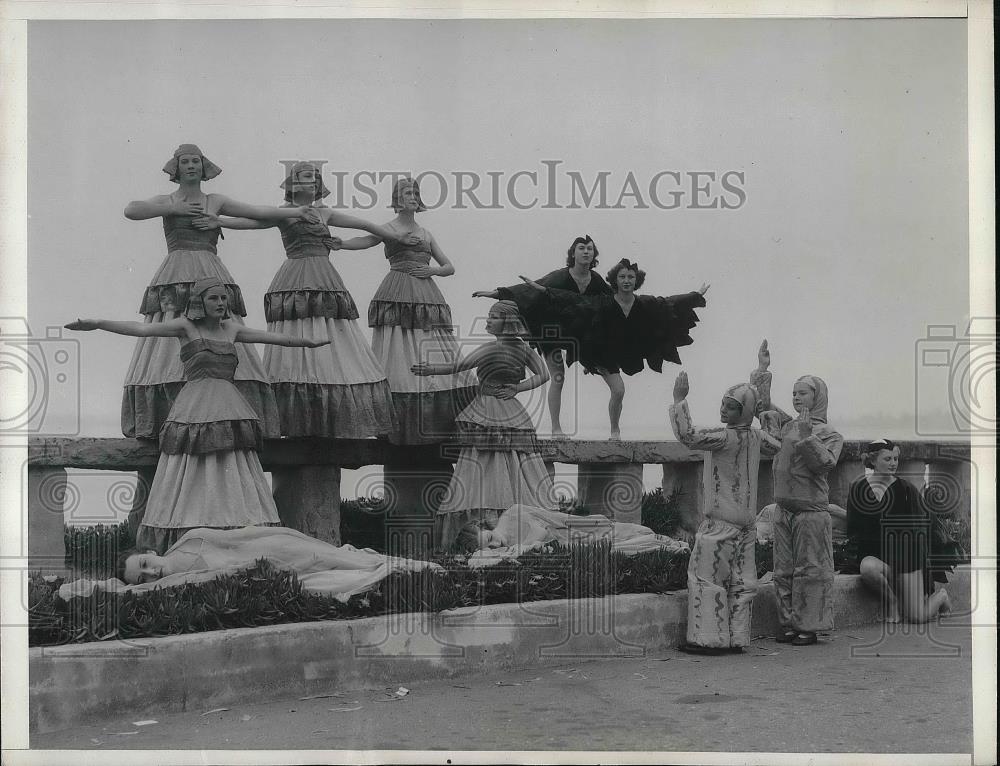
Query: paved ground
<point>859,690</point>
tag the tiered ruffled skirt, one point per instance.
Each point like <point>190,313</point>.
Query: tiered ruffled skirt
<point>411,323</point>
<point>498,467</point>
<point>208,474</point>
<point>338,390</point>
<point>155,375</point>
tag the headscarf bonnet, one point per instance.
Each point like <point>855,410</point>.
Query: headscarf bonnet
<point>748,397</point>
<point>817,413</point>
<point>512,322</point>
<point>196,299</point>
<point>289,183</point>
<point>209,169</point>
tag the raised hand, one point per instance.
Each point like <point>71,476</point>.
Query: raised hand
<point>704,288</point>
<point>681,387</point>
<point>333,243</point>
<point>485,294</point>
<point>206,222</point>
<point>531,282</point>
<point>804,424</point>
<point>317,343</point>
<point>763,356</point>
<point>83,325</point>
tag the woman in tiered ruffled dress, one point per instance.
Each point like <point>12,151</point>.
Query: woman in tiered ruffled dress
<point>411,322</point>
<point>155,375</point>
<point>208,474</point>
<point>340,391</point>
<point>499,465</point>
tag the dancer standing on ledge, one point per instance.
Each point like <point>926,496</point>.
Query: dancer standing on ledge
<point>410,321</point>
<point>208,474</point>
<point>722,570</point>
<point>803,534</point>
<point>155,375</point>
<point>618,333</point>
<point>342,391</point>
<point>499,466</point>
<point>557,335</point>
<point>887,519</point>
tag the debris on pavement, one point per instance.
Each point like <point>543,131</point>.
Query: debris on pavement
<point>402,691</point>
<point>344,709</point>
<point>215,710</point>
<point>144,723</point>
<point>322,696</point>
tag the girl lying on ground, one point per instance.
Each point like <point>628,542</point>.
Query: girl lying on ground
<point>201,555</point>
<point>522,528</point>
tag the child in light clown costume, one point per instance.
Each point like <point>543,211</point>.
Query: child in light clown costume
<point>803,533</point>
<point>722,570</point>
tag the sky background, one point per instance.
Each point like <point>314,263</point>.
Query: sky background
<point>852,239</point>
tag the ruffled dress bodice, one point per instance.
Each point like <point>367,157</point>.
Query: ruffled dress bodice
<point>210,414</point>
<point>491,423</point>
<point>304,239</point>
<point>182,235</point>
<point>505,366</point>
<point>401,256</point>
<point>404,300</point>
<point>204,358</point>
<point>307,284</point>
<point>191,255</point>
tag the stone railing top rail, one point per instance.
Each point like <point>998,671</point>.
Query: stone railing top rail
<point>131,454</point>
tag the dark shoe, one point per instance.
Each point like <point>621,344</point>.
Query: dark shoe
<point>804,639</point>
<point>689,648</point>
<point>786,637</point>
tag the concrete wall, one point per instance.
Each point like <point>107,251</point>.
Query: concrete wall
<point>87,683</point>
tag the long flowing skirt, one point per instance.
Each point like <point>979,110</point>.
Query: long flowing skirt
<point>338,390</point>
<point>224,489</point>
<point>426,407</point>
<point>485,484</point>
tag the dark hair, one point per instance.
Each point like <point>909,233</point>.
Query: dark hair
<point>467,540</point>
<point>584,240</point>
<point>624,263</point>
<point>872,449</point>
<point>120,560</point>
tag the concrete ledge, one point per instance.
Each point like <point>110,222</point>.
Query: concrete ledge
<point>87,683</point>
<point>132,454</point>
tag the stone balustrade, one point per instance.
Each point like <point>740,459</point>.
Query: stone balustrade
<point>306,478</point>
